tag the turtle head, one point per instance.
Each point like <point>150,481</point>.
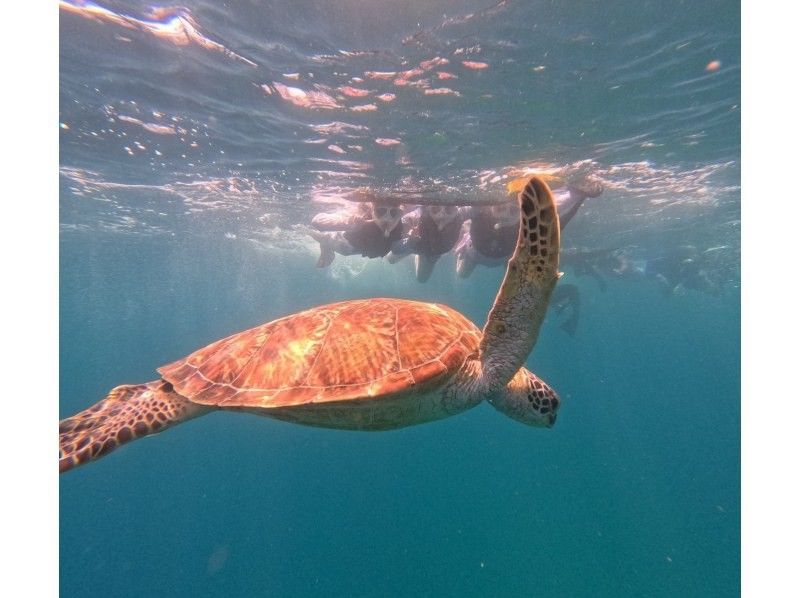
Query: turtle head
<point>528,399</point>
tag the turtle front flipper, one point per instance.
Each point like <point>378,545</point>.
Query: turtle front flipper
<point>521,303</point>
<point>128,412</point>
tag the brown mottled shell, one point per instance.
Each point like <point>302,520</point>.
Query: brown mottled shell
<point>354,350</point>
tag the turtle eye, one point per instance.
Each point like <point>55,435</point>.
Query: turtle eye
<point>380,211</point>
<point>394,212</point>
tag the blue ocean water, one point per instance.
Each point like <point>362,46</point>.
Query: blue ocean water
<point>197,143</point>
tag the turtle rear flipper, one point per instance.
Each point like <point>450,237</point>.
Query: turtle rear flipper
<point>521,303</point>
<point>128,412</point>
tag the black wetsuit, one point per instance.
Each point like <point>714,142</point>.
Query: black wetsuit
<point>368,238</point>
<point>492,242</point>
<point>434,242</point>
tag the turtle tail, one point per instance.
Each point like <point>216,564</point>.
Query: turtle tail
<point>129,412</point>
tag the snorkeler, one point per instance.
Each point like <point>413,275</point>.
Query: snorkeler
<point>599,264</point>
<point>684,267</point>
<point>433,231</point>
<point>489,240</point>
<point>569,202</point>
<point>491,236</point>
<point>370,232</point>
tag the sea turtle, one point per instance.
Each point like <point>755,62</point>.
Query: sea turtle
<point>372,364</point>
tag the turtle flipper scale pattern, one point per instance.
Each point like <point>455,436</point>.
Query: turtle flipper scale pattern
<point>521,303</point>
<point>129,412</point>
<point>540,234</point>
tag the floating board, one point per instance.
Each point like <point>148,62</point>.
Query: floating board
<point>432,197</point>
<point>440,195</point>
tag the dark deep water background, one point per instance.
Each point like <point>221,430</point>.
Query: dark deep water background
<point>635,491</point>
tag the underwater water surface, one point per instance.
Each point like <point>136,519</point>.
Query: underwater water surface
<point>198,142</point>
